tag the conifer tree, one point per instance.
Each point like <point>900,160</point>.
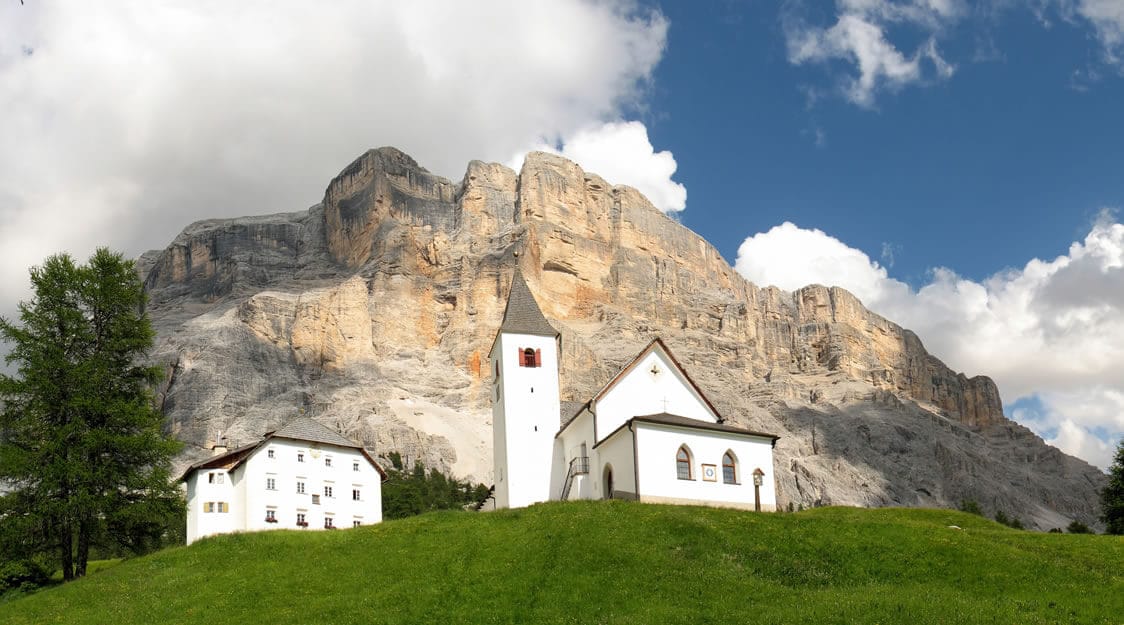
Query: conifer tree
<point>81,444</point>
<point>1112,497</point>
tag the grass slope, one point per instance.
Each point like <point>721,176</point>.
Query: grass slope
<point>611,562</point>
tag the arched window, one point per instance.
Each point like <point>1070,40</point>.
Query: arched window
<point>729,468</point>
<point>683,463</point>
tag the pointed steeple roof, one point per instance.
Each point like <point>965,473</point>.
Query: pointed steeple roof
<point>523,315</point>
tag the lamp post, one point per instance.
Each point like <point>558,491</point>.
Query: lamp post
<point>758,479</point>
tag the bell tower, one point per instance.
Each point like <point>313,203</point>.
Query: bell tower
<point>525,400</point>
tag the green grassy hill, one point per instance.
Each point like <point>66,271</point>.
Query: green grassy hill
<point>611,562</point>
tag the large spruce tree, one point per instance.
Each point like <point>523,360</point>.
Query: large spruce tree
<point>1112,497</point>
<point>81,444</point>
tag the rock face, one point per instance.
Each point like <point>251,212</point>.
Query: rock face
<point>374,310</point>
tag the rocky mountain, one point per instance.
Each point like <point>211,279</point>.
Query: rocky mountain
<point>373,312</point>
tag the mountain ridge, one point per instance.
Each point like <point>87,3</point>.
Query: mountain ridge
<point>373,310</point>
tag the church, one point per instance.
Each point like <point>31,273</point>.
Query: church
<point>649,435</point>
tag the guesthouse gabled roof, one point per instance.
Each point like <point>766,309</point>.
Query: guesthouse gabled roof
<point>299,429</point>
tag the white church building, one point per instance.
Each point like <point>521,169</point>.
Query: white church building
<point>302,476</point>
<point>650,434</point>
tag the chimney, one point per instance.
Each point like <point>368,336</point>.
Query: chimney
<point>219,447</point>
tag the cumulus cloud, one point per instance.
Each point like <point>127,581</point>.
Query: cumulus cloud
<point>1052,331</point>
<point>124,122</point>
<point>859,37</point>
<point>621,153</point>
<point>1107,19</point>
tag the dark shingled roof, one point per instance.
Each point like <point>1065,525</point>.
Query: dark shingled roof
<point>673,419</point>
<point>305,429</point>
<point>569,410</point>
<point>523,315</point>
<point>665,418</point>
<point>301,429</point>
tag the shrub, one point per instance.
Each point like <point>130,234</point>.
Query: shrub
<point>970,506</point>
<point>1077,527</point>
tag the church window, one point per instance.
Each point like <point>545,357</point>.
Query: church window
<point>683,463</point>
<point>729,468</point>
<point>529,357</point>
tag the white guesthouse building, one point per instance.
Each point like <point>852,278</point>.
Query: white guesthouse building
<point>649,435</point>
<point>302,476</point>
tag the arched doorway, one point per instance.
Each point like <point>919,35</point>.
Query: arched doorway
<point>607,481</point>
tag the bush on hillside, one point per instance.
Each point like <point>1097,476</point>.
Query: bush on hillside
<point>1012,522</point>
<point>970,506</point>
<point>1077,527</point>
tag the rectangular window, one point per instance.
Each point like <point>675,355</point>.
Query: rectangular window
<point>728,474</point>
<point>316,500</point>
<point>301,522</point>
<point>300,456</point>
<point>270,483</point>
<point>355,494</point>
<point>355,466</point>
<point>329,522</point>
<point>270,516</point>
<point>327,491</point>
<point>215,478</point>
<point>269,453</point>
<point>327,461</point>
<point>300,488</point>
<point>224,507</point>
<point>209,506</point>
<point>356,523</point>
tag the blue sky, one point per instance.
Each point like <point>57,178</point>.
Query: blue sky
<point>1002,162</point>
<point>957,165</point>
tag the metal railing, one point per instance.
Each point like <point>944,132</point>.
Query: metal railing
<point>578,466</point>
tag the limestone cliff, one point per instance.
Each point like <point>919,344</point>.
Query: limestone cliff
<point>373,312</point>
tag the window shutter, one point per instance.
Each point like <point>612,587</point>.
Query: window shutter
<point>521,362</point>
<point>538,357</point>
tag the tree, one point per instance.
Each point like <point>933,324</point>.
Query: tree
<point>1112,497</point>
<point>82,446</point>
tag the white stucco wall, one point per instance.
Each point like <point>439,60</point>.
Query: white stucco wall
<point>640,392</point>
<point>200,491</point>
<point>247,494</point>
<point>657,447</point>
<point>526,422</point>
<point>618,453</point>
<point>568,447</point>
<point>286,502</point>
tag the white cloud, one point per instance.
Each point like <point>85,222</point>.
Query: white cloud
<point>1105,16</point>
<point>621,153</point>
<point>124,122</point>
<point>1052,330</point>
<point>859,37</point>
